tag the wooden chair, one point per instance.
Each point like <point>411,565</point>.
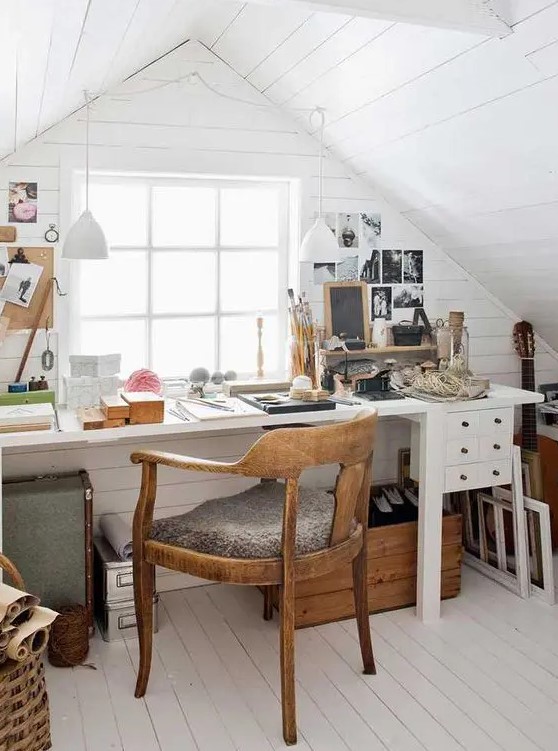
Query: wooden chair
<point>272,534</point>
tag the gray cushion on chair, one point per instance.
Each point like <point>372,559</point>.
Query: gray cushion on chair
<point>249,525</point>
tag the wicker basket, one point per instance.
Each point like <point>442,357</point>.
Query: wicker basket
<point>24,711</point>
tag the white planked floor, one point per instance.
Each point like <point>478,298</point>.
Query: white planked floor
<point>484,678</point>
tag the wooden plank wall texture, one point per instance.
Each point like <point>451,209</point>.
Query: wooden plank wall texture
<point>176,130</point>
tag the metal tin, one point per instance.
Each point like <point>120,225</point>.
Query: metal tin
<point>113,578</point>
<point>118,619</point>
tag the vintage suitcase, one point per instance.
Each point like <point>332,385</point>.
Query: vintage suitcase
<point>47,533</point>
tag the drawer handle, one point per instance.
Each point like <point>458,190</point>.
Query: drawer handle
<point>497,446</point>
<point>496,473</point>
<point>464,450</point>
<point>498,420</point>
<point>462,477</point>
<point>465,424</point>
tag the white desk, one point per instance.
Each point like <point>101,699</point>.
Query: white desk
<point>455,445</point>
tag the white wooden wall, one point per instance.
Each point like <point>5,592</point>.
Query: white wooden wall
<point>175,129</point>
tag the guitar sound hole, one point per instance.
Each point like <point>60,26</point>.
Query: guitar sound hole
<point>497,446</point>
<point>462,477</point>
<point>464,450</point>
<point>495,473</point>
<point>498,421</point>
<point>465,424</point>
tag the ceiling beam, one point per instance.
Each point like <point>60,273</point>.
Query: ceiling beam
<point>483,17</point>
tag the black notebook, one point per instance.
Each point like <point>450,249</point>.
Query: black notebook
<point>284,406</point>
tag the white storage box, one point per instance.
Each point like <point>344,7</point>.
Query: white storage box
<point>94,365</point>
<point>114,593</point>
<point>113,578</point>
<point>82,392</point>
<point>118,619</point>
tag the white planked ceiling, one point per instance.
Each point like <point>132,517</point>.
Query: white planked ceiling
<point>457,129</point>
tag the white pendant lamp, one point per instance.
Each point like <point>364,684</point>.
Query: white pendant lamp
<point>319,243</point>
<point>85,238</point>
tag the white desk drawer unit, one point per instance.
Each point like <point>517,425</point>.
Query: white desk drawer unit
<point>478,449</point>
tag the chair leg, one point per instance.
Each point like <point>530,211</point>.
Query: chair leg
<point>288,699</point>
<point>268,603</point>
<point>144,579</point>
<point>360,592</point>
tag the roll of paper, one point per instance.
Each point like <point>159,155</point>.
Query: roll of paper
<point>13,603</point>
<point>32,636</point>
<point>119,534</point>
<point>6,635</point>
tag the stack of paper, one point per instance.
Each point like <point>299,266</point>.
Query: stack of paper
<point>26,417</point>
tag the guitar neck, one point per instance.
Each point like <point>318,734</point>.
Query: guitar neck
<point>529,411</point>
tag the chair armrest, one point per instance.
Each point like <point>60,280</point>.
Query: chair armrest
<point>185,462</point>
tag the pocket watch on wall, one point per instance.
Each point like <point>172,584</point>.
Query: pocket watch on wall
<point>52,234</point>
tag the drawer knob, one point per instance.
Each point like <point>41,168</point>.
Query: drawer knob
<point>465,424</point>
<point>497,446</point>
<point>464,450</point>
<point>496,473</point>
<point>498,420</point>
<point>462,477</point>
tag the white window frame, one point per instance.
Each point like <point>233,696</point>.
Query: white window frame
<point>286,243</point>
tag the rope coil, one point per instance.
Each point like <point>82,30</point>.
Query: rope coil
<point>69,637</point>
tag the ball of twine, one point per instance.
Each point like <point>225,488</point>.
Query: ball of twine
<point>69,637</point>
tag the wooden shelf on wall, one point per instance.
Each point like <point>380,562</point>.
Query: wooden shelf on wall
<point>372,351</point>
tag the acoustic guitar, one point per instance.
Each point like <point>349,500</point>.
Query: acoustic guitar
<point>524,342</point>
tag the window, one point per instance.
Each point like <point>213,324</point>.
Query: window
<point>192,262</point>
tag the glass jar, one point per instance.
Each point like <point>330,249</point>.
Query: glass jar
<point>453,347</point>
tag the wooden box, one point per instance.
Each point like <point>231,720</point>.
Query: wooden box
<point>392,575</point>
<point>115,408</point>
<point>145,407</point>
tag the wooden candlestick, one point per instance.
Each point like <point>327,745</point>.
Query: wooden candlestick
<point>260,356</point>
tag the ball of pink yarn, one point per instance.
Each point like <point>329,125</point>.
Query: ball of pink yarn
<point>144,380</point>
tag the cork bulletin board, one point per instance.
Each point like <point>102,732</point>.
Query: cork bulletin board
<point>23,318</point>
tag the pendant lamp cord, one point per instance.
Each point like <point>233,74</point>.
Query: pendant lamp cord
<point>87,100</point>
<point>321,113</point>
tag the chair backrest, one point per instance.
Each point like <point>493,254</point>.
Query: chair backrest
<point>284,453</point>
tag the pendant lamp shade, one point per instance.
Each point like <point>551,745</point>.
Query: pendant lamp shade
<point>85,239</point>
<point>319,243</point>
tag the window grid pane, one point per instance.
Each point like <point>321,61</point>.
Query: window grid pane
<point>208,317</point>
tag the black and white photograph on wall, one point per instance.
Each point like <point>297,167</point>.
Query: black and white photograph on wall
<point>348,230</point>
<point>331,220</point>
<point>370,271</point>
<point>347,269</point>
<point>22,203</point>
<point>21,283</point>
<point>391,266</point>
<point>412,266</point>
<point>324,272</point>
<point>408,296</point>
<point>4,260</point>
<point>371,230</point>
<point>380,303</point>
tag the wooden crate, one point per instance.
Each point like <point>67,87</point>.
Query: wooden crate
<point>392,575</point>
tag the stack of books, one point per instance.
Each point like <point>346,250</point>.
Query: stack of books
<point>21,417</point>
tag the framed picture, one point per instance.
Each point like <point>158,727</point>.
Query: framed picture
<point>347,312</point>
<point>550,391</point>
